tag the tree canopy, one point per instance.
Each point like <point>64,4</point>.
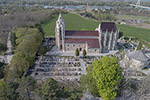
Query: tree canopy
<point>43,50</point>
<point>84,53</point>
<point>88,82</point>
<point>120,34</point>
<point>50,90</point>
<point>139,47</point>
<point>8,90</point>
<point>28,40</point>
<point>1,70</point>
<point>18,65</point>
<point>26,85</point>
<point>108,76</point>
<point>2,89</point>
<point>77,52</point>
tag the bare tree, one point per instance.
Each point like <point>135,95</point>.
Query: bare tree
<point>135,89</point>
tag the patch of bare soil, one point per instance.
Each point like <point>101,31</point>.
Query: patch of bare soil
<point>143,25</point>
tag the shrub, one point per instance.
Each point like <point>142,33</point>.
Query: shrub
<point>77,52</point>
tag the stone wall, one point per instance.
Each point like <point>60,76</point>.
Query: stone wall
<point>74,46</point>
<point>96,50</point>
<point>81,47</point>
<point>108,41</point>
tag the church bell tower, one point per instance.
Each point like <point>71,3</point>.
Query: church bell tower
<point>60,33</point>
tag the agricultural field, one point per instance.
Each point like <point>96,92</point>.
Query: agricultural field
<point>139,33</point>
<point>130,17</point>
<point>76,22</point>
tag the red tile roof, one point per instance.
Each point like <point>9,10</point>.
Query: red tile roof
<point>81,33</point>
<point>92,43</point>
<point>108,26</point>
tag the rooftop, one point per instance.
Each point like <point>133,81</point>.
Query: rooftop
<point>138,55</point>
<point>81,33</point>
<point>108,26</point>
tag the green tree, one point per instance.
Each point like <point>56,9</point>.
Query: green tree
<point>43,50</point>
<point>108,76</point>
<point>120,34</point>
<point>26,85</point>
<point>38,26</point>
<point>51,90</point>
<point>2,47</point>
<point>11,90</point>
<point>28,40</point>
<point>1,70</point>
<point>2,90</point>
<point>18,65</point>
<point>8,90</point>
<point>139,47</point>
<point>88,82</point>
<point>77,52</point>
<point>73,92</point>
<point>83,82</point>
<point>29,44</point>
<point>84,53</point>
<point>91,81</point>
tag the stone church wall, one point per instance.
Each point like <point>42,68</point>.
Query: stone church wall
<point>96,50</point>
<point>74,46</point>
<point>81,47</point>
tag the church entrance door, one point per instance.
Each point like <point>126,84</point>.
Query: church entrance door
<point>80,49</point>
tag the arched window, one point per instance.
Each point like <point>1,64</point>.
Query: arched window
<point>60,34</point>
<point>107,42</point>
<point>102,41</point>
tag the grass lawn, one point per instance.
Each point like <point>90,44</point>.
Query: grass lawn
<point>139,33</point>
<point>72,21</point>
<point>76,22</point>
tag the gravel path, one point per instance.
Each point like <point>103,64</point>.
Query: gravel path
<point>72,53</point>
<point>9,49</point>
<point>83,66</point>
<point>89,96</point>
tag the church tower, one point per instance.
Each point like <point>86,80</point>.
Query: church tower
<point>60,33</point>
<point>108,36</point>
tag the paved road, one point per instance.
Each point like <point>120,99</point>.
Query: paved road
<point>55,52</point>
<point>9,49</point>
<point>83,67</point>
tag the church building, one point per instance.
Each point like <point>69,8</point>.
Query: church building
<point>103,39</point>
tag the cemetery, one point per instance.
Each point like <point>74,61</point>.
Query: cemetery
<point>60,68</point>
<point>67,67</point>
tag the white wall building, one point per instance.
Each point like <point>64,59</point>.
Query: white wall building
<point>137,59</point>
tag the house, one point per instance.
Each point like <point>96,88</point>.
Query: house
<point>137,59</point>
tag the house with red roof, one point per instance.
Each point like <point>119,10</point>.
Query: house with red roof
<point>103,39</point>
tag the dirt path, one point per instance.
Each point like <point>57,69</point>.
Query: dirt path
<point>9,49</point>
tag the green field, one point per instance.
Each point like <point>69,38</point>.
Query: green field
<point>76,22</point>
<point>72,21</point>
<point>130,17</point>
<point>139,33</point>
